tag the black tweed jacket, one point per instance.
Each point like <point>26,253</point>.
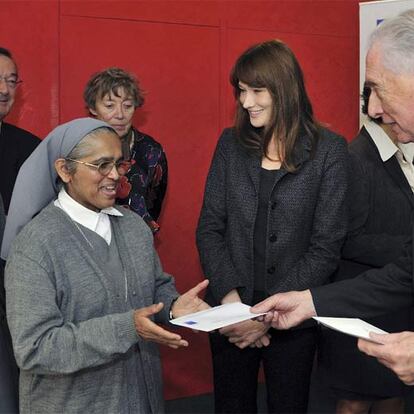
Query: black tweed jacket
<point>307,218</point>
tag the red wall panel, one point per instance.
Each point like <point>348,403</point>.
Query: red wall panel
<point>30,30</point>
<point>328,18</point>
<point>193,12</point>
<point>182,52</point>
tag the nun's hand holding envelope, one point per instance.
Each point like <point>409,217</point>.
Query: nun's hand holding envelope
<point>187,303</point>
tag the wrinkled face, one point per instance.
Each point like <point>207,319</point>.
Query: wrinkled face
<point>258,103</point>
<point>8,71</point>
<point>89,187</point>
<point>117,111</point>
<point>392,96</point>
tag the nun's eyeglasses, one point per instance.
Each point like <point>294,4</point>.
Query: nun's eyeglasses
<point>105,167</point>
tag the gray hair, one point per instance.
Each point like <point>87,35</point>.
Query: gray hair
<point>110,81</point>
<point>84,148</point>
<point>395,38</point>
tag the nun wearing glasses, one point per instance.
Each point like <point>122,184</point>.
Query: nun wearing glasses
<point>85,289</point>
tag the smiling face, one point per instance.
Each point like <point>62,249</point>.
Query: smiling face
<point>117,111</point>
<point>258,103</point>
<point>392,96</point>
<point>86,185</point>
<point>8,70</point>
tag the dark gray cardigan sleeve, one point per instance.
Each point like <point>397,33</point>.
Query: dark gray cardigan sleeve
<point>165,291</point>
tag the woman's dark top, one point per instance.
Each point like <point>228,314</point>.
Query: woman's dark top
<point>267,181</point>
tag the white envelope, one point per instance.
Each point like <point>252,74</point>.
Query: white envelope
<point>350,326</point>
<point>217,317</point>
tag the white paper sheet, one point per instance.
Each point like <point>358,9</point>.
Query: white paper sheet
<point>217,317</point>
<point>350,326</point>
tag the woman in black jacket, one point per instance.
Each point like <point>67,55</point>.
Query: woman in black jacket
<point>273,220</point>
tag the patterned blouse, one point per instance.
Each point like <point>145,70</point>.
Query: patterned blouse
<point>143,188</point>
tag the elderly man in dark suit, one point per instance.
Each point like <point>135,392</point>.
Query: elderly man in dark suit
<point>16,145</point>
<point>382,178</point>
<point>390,76</point>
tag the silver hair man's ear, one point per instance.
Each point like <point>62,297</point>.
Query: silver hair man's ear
<point>395,39</point>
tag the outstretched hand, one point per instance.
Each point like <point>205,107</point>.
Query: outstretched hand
<point>189,302</point>
<point>286,310</point>
<point>396,352</point>
<point>150,331</point>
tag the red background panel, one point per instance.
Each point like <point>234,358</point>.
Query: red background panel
<point>182,52</point>
<point>329,18</point>
<point>30,30</point>
<point>202,12</point>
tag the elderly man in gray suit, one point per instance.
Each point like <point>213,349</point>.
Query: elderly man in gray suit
<point>390,76</point>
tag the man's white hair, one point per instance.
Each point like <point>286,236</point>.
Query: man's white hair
<point>395,39</point>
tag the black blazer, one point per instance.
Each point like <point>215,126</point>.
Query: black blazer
<point>16,145</point>
<point>307,218</point>
<point>378,291</point>
<point>377,232</point>
<point>370,294</point>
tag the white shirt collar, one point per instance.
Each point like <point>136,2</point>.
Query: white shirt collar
<point>385,145</point>
<point>95,221</point>
<point>407,150</point>
<point>382,141</point>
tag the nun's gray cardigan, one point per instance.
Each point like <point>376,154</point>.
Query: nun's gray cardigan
<point>73,337</point>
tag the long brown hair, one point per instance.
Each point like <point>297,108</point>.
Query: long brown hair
<point>273,66</point>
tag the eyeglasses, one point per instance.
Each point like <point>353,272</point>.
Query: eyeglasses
<point>105,167</point>
<point>11,82</point>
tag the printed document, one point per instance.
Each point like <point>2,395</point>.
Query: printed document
<point>351,326</point>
